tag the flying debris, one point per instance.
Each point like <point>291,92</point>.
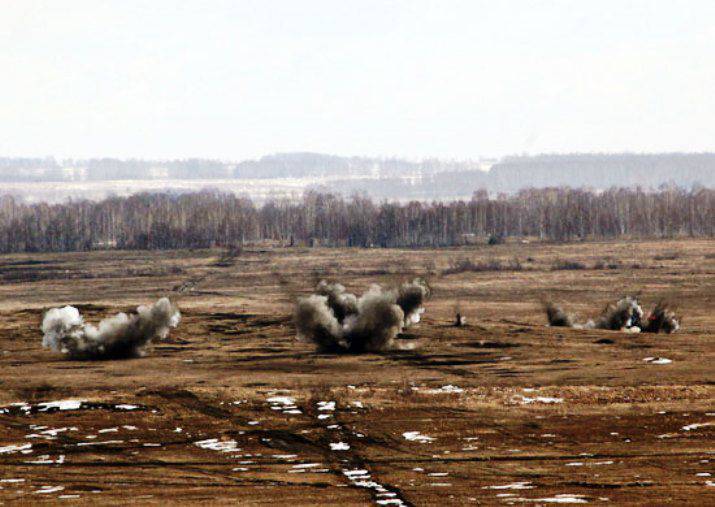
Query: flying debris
<point>116,337</point>
<point>338,321</point>
<point>626,315</point>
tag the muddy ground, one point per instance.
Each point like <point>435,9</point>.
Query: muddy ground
<point>231,408</point>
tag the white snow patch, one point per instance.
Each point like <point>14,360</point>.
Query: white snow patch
<point>104,442</point>
<point>12,449</point>
<point>306,465</point>
<point>513,485</point>
<point>565,498</point>
<point>339,446</point>
<point>45,459</point>
<point>48,489</point>
<point>60,405</point>
<point>657,360</point>
<point>526,400</point>
<point>416,436</point>
<point>281,400</point>
<point>215,444</point>
<point>695,426</point>
<point>448,389</point>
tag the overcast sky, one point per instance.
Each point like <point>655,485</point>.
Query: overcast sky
<point>453,79</point>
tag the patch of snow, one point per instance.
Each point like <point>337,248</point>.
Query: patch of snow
<point>416,436</point>
<point>104,442</point>
<point>513,485</point>
<point>538,399</point>
<point>564,498</point>
<point>306,465</point>
<point>658,360</point>
<point>12,449</point>
<point>59,405</point>
<point>46,460</point>
<point>281,400</point>
<point>695,426</point>
<point>48,489</point>
<point>215,444</point>
<point>448,389</point>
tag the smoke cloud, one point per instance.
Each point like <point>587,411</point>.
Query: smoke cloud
<point>338,321</point>
<point>116,337</point>
<point>557,317</point>
<point>626,315</point>
<point>661,320</point>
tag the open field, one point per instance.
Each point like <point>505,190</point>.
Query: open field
<point>232,408</point>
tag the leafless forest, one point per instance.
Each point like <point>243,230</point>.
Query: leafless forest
<point>209,219</point>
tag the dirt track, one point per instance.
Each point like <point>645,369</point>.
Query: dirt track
<point>231,408</point>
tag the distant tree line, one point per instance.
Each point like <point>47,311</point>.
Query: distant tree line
<point>280,165</point>
<point>208,219</point>
<point>415,179</point>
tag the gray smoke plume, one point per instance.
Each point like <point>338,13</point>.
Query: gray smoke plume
<point>120,336</point>
<point>661,320</point>
<point>626,315</point>
<point>338,321</point>
<point>340,301</point>
<point>557,317</point>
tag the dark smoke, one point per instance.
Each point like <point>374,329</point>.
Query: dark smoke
<point>338,321</point>
<point>625,315</point>
<point>557,317</point>
<point>661,320</point>
<point>116,337</point>
<point>340,301</point>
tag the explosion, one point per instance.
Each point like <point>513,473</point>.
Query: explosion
<point>661,319</point>
<point>120,336</point>
<point>338,321</point>
<point>626,315</point>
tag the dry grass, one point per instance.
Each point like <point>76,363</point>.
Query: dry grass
<point>235,349</point>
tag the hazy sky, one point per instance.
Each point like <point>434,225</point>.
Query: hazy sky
<point>456,79</point>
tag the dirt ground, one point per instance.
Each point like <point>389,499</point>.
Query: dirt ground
<point>231,408</point>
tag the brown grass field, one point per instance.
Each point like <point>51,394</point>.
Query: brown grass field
<point>228,409</point>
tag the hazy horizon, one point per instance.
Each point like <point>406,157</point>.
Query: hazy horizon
<point>456,81</point>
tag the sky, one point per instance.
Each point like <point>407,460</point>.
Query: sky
<point>452,79</point>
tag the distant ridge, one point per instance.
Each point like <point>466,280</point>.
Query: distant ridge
<point>389,178</point>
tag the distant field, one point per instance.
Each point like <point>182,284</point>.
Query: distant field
<point>232,409</point>
<point>258,189</point>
